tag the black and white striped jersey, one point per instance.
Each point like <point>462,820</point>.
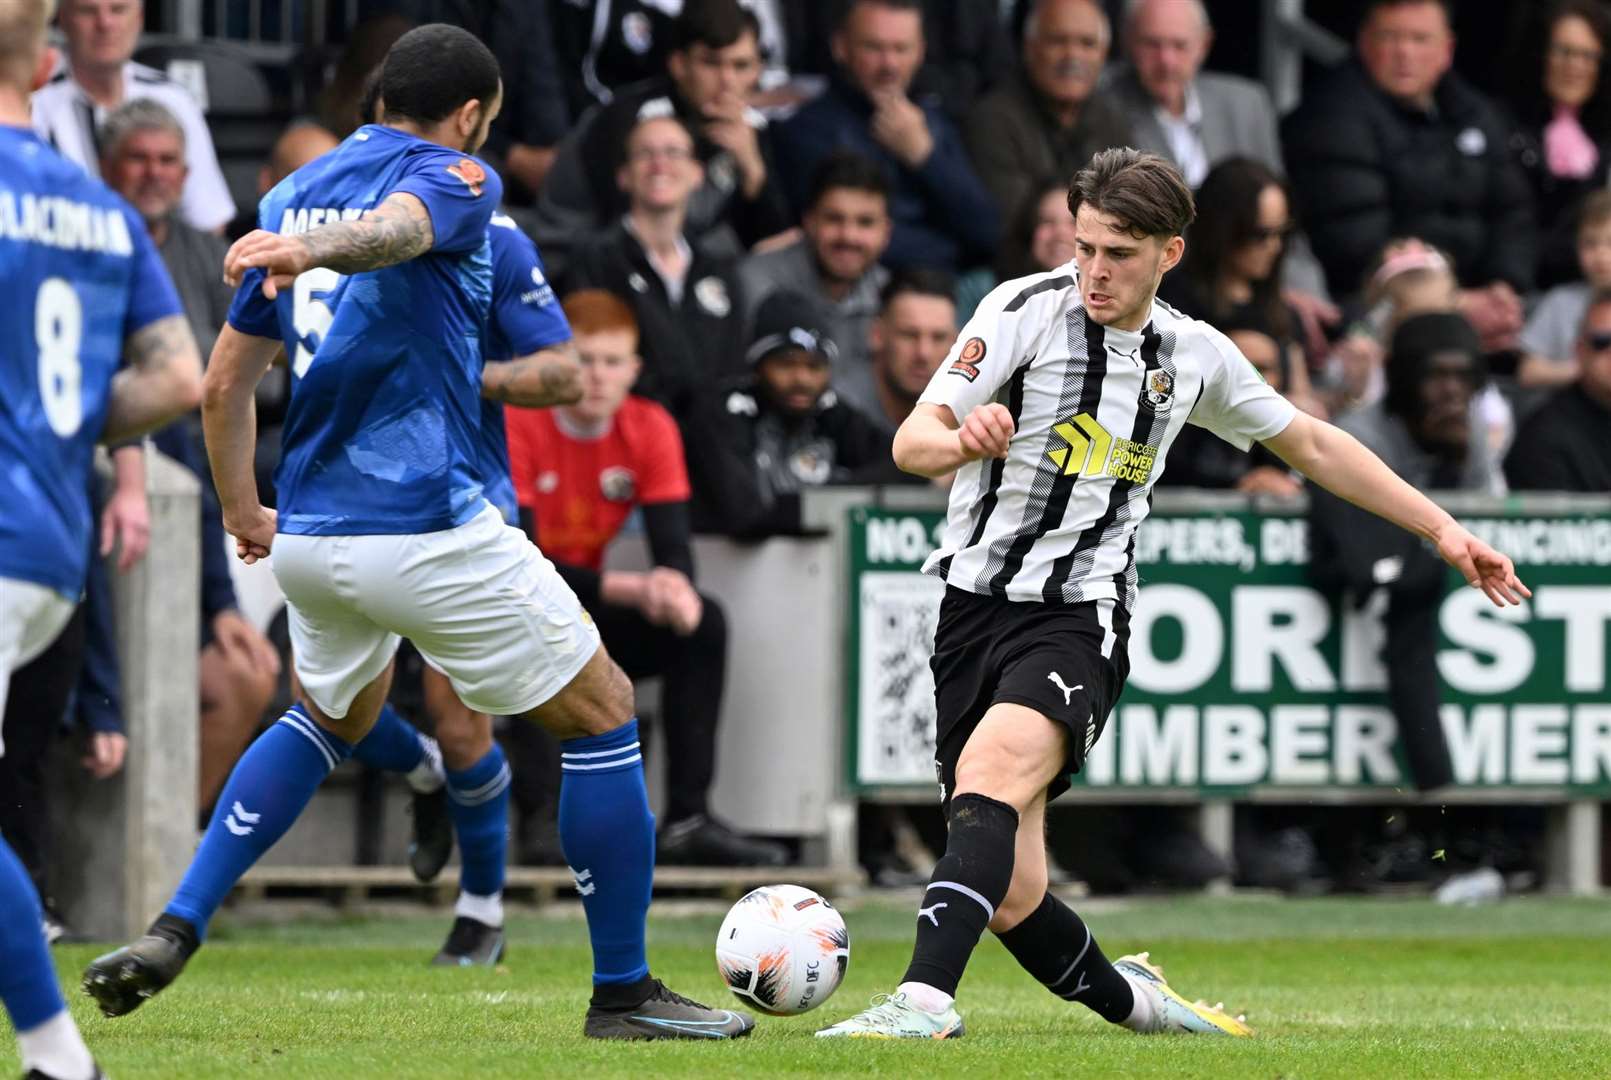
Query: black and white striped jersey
<point>1096,409</point>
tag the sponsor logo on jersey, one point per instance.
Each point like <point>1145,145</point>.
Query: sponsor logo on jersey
<point>471,172</point>
<point>967,361</point>
<point>1092,452</point>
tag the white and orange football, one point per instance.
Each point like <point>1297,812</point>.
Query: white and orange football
<point>783,949</point>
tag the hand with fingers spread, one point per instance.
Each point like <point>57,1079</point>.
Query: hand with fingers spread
<point>281,258</point>
<point>986,432</point>
<point>237,637</point>
<point>1482,566</point>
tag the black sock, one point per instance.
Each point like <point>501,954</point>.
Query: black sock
<point>1054,945</point>
<point>967,884</point>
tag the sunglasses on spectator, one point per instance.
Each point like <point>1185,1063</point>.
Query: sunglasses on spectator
<point>1263,236</point>
<point>1598,342</point>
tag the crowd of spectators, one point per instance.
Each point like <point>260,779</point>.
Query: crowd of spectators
<point>770,218</point>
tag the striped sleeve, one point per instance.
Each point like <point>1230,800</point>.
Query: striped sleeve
<point>991,345</point>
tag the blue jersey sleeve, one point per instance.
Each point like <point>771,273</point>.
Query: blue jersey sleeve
<point>459,193</point>
<point>526,315</point>
<point>152,295</point>
<point>251,312</point>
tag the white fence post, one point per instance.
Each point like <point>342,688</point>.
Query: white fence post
<point>123,843</point>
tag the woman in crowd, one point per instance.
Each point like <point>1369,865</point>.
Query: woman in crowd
<point>1040,237</point>
<point>1232,270</point>
<point>1562,115</point>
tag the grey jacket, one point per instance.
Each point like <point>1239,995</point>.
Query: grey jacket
<point>1238,121</point>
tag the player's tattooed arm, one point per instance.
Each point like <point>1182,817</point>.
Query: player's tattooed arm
<point>162,379</point>
<point>395,231</point>
<point>551,376</point>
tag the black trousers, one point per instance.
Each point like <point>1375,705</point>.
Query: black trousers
<point>1413,690</point>
<point>693,672</point>
<point>36,706</point>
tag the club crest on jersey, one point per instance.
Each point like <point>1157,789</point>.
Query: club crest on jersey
<point>473,175</point>
<point>967,361</point>
<point>618,484</point>
<point>1158,390</point>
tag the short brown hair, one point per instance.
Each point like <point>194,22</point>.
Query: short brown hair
<point>1595,211</point>
<point>22,36</point>
<point>1144,191</point>
<point>599,311</point>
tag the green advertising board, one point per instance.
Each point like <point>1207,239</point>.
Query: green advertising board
<point>1243,675</point>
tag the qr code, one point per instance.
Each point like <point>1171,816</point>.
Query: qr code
<point>895,695</point>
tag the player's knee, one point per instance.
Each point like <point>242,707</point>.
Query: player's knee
<point>599,700</point>
<point>991,769</point>
<point>464,736</point>
<point>350,728</point>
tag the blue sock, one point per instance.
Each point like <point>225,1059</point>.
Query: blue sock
<point>607,832</point>
<point>392,745</point>
<point>27,977</point>
<point>478,800</point>
<point>265,793</point>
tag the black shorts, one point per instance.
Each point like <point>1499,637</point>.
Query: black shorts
<point>1048,657</point>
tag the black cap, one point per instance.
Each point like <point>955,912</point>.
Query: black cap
<point>790,320</point>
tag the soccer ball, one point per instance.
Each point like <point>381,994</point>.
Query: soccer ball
<point>783,949</point>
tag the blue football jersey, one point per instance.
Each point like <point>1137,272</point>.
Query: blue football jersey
<point>78,275</point>
<point>526,316</point>
<point>381,434</point>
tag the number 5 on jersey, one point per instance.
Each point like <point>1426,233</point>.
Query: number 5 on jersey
<point>312,312</point>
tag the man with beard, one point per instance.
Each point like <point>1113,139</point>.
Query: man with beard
<point>1044,119</point>
<point>764,439</point>
<point>847,227</point>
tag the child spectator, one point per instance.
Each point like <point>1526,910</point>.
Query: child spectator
<point>579,472</point>
<point>1548,341</point>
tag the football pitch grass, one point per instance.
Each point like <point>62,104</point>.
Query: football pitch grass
<point>1335,988</point>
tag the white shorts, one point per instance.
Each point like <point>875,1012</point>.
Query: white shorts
<point>480,602</point>
<point>31,617</point>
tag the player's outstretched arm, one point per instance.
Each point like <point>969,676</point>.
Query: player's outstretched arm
<point>395,231</point>
<point>931,443</point>
<point>162,379</point>
<point>546,377</point>
<point>1342,465</point>
<point>229,422</point>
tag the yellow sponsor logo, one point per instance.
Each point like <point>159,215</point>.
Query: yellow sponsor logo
<point>1092,451</point>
